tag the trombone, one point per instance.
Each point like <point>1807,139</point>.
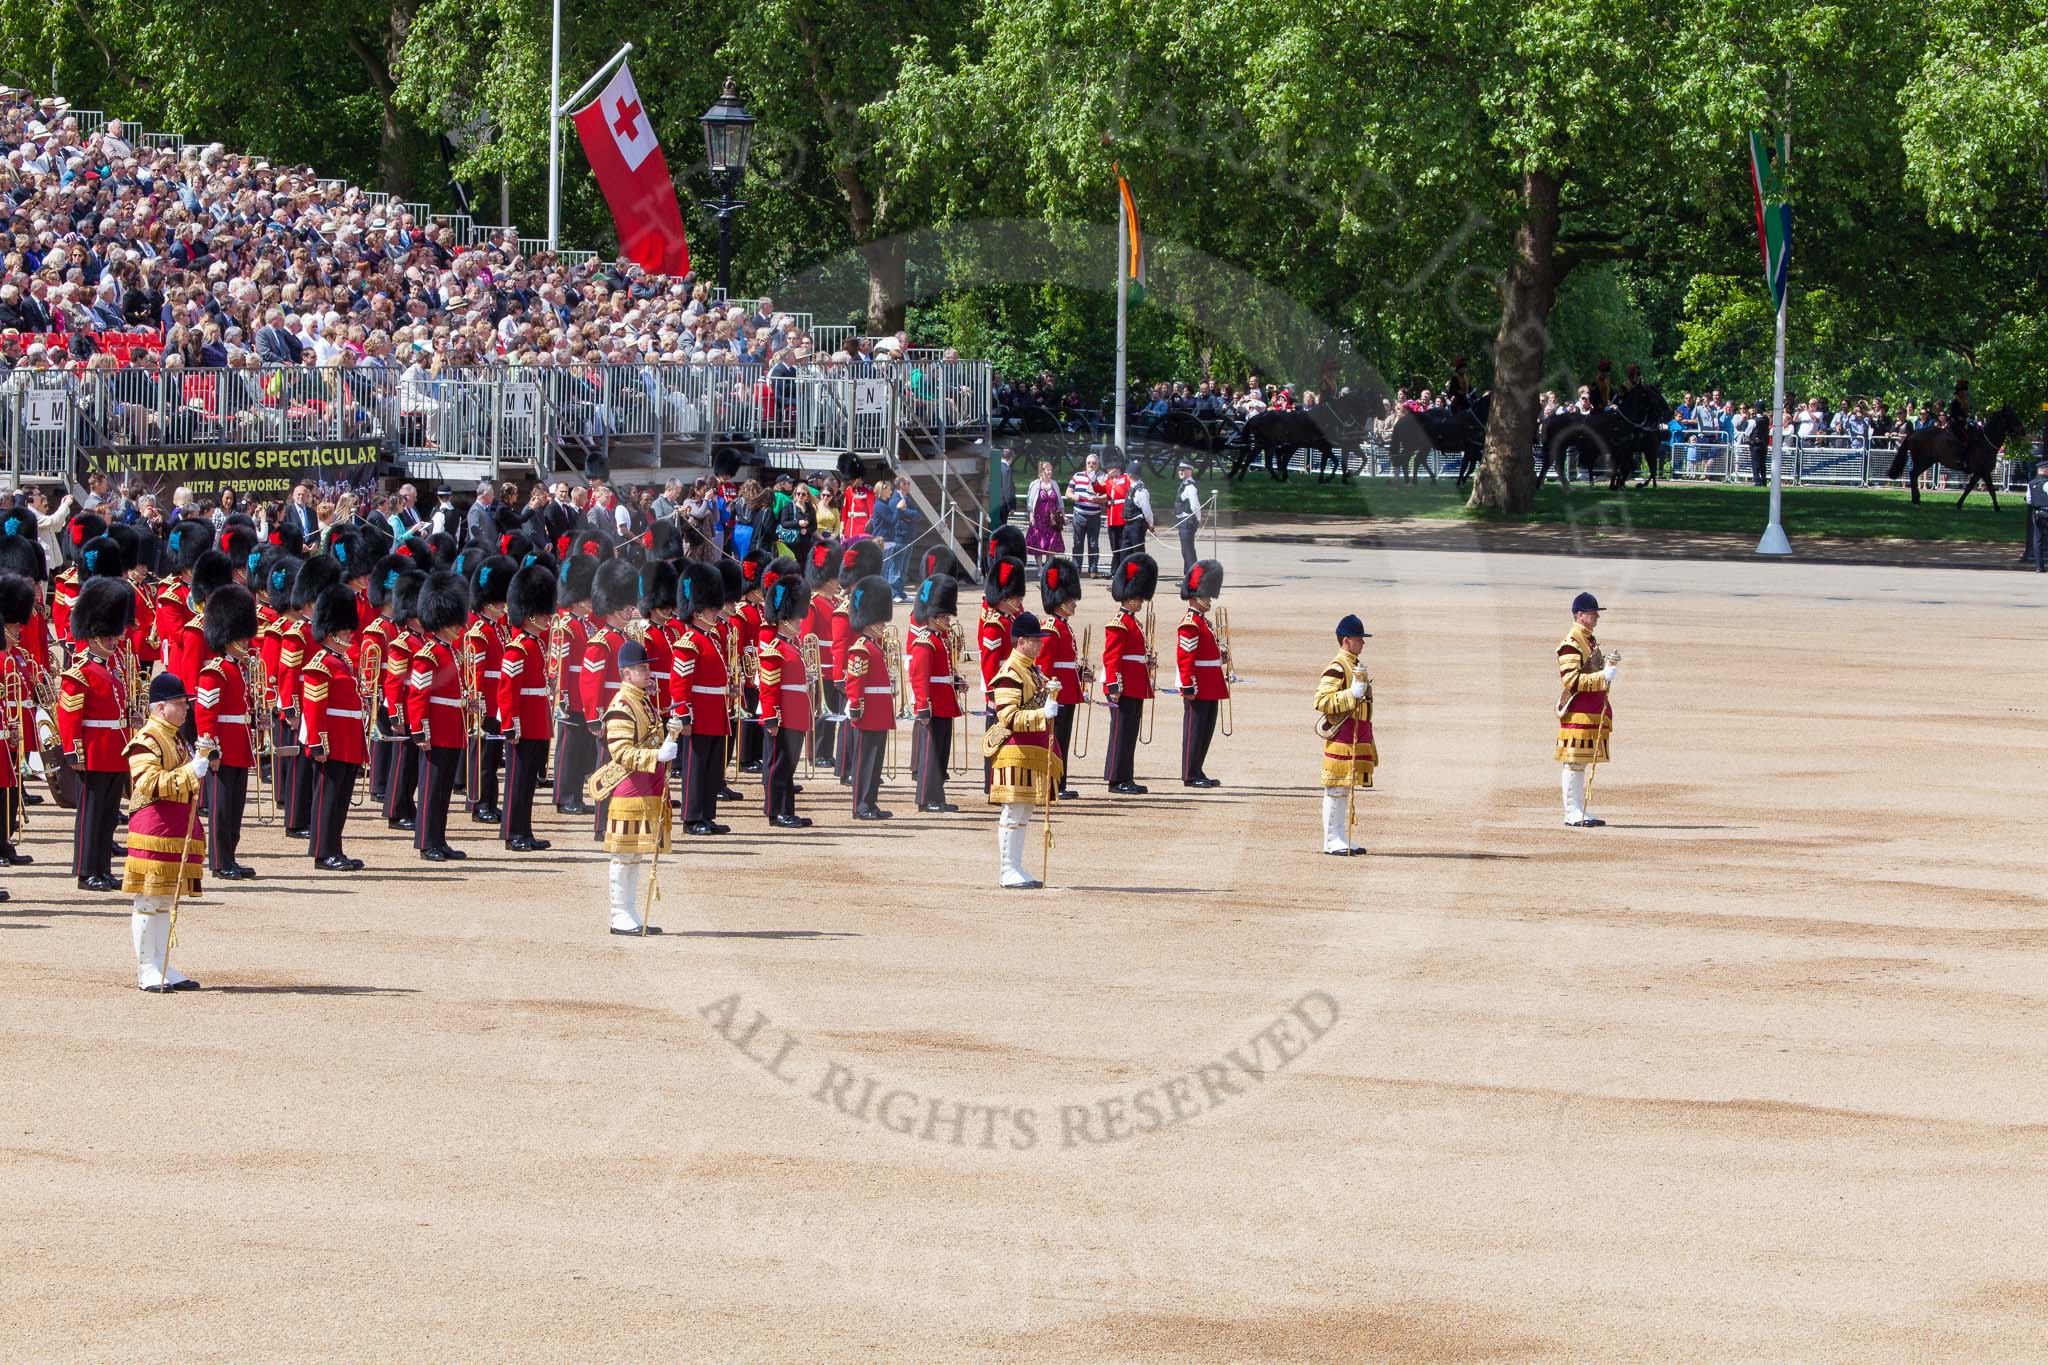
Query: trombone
<point>1151,679</point>
<point>1229,673</point>
<point>262,736</point>
<point>899,696</point>
<point>956,651</point>
<point>1087,673</point>
<point>20,711</point>
<point>369,673</point>
<point>735,679</point>
<point>814,682</point>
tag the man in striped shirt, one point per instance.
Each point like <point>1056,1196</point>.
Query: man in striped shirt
<point>1085,496</point>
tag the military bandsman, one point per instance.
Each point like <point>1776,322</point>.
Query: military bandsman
<point>523,701</point>
<point>1028,769</point>
<point>1059,655</point>
<point>1204,678</point>
<point>1128,665</point>
<point>228,679</point>
<point>575,741</point>
<point>1343,705</point>
<point>935,689</point>
<point>483,652</point>
<point>92,725</point>
<point>166,842</point>
<point>859,560</point>
<point>18,679</point>
<point>331,733</point>
<point>822,577</point>
<point>436,711</point>
<point>632,787</point>
<point>700,683</point>
<point>402,777</point>
<point>1585,711</point>
<point>785,706</point>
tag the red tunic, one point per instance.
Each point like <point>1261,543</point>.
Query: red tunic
<point>785,687</point>
<point>148,642</point>
<point>295,647</point>
<point>930,665</point>
<point>331,709</point>
<point>1060,661</point>
<point>62,600</point>
<point>17,726</point>
<point>661,650</point>
<point>994,641</point>
<point>1200,659</point>
<point>433,695</point>
<point>92,721</point>
<point>173,608</point>
<point>523,687</point>
<point>569,664</point>
<point>870,696</point>
<point>397,672</point>
<point>700,681</point>
<point>187,651</point>
<point>842,638</point>
<point>818,626</point>
<point>221,697</point>
<point>1123,657</point>
<point>484,641</point>
<point>600,678</point>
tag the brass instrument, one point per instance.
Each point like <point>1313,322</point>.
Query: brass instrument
<point>1151,678</point>
<point>262,734</point>
<point>1229,673</point>
<point>1087,682</point>
<point>956,650</point>
<point>814,679</point>
<point>734,680</point>
<point>136,690</point>
<point>369,674</point>
<point>899,700</point>
<point>472,679</point>
<point>20,710</point>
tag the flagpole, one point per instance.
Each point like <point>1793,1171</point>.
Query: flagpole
<point>1123,303</point>
<point>1774,541</point>
<point>555,129</point>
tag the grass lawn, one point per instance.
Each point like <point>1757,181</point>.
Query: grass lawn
<point>1847,513</point>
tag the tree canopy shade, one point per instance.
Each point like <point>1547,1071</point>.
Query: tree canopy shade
<point>1532,183</point>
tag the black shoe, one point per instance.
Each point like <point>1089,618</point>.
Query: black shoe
<point>33,799</point>
<point>1588,823</point>
<point>791,822</point>
<point>1203,783</point>
<point>940,808</point>
<point>411,824</point>
<point>1069,794</point>
<point>1128,789</point>
<point>753,767</point>
<point>188,984</point>
<point>796,789</point>
<point>298,834</point>
<point>18,859</point>
<point>701,827</point>
<point>245,869</point>
<point>527,845</point>
<point>846,781</point>
<point>233,874</point>
<point>728,794</point>
<point>334,862</point>
<point>873,813</point>
<point>635,933</point>
<point>97,883</point>
<point>4,896</point>
<point>578,809</point>
<point>436,854</point>
<point>158,990</point>
<point>487,815</point>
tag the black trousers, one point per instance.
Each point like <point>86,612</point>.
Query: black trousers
<point>486,758</point>
<point>11,806</point>
<point>227,793</point>
<point>1063,735</point>
<point>402,782</point>
<point>99,816</point>
<point>778,772</point>
<point>1124,723</point>
<point>382,752</point>
<point>1197,728</point>
<point>529,758</point>
<point>752,749</point>
<point>843,739</point>
<point>333,784</point>
<point>866,766</point>
<point>931,747</point>
<point>437,789</point>
<point>1116,546</point>
<point>1188,555</point>
<point>824,733</point>
<point>703,775</point>
<point>575,759</point>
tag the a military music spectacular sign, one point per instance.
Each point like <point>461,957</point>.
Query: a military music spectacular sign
<point>264,472</point>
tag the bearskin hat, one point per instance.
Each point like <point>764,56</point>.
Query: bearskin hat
<point>334,611</point>
<point>788,599</point>
<point>779,566</point>
<point>230,616</point>
<point>491,580</point>
<point>316,575</point>
<point>941,559</point>
<point>579,572</point>
<point>860,559</point>
<point>237,543</point>
<point>1059,583</point>
<point>405,596</point>
<point>1205,579</point>
<point>442,549</point>
<point>616,587</point>
<point>185,542</point>
<point>753,566</point>
<point>850,467</point>
<point>82,527</point>
<point>658,587</point>
<point>823,567</point>
<point>350,551</point>
<point>1004,578</point>
<point>1136,579</point>
<point>466,560</point>
<point>532,595</point>
<point>1005,542</point>
<point>289,538</point>
<point>938,595</point>
<point>870,603</point>
<point>377,538</point>
<point>101,557</point>
<point>384,578</point>
<point>280,578</point>
<point>444,601</point>
<point>699,589</point>
<point>514,546</point>
<point>725,462</point>
<point>17,521</point>
<point>17,599</point>
<point>23,555</point>
<point>593,540</point>
<point>731,581</point>
<point>105,607</point>
<point>210,573</point>
<point>130,540</point>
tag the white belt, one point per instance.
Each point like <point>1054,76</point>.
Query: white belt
<point>947,679</point>
<point>879,691</point>
<point>795,687</point>
<point>442,701</point>
<point>490,673</point>
<point>1069,664</point>
<point>231,720</point>
<point>575,668</point>
<point>709,691</point>
<point>533,691</point>
<point>1208,663</point>
<point>105,725</point>
<point>652,674</point>
<point>344,715</point>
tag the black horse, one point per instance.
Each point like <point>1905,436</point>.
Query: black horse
<point>1417,434</point>
<point>1630,431</point>
<point>1975,454</point>
<point>1330,429</point>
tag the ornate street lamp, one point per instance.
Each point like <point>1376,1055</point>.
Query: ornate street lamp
<point>728,138</point>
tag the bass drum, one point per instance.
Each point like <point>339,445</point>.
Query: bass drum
<point>58,773</point>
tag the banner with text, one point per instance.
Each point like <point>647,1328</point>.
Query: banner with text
<point>263,472</point>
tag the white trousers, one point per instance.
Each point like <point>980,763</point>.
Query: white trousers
<point>151,925</point>
<point>1574,792</point>
<point>1012,824</point>
<point>629,875</point>
<point>1336,837</point>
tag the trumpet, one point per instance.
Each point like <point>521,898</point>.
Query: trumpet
<point>1087,672</point>
<point>1229,672</point>
<point>1151,678</point>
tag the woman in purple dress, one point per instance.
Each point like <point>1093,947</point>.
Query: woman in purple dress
<point>1048,517</point>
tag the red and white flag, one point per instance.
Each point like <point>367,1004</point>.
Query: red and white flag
<point>618,137</point>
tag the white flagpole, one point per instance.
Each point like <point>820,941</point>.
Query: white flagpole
<point>555,129</point>
<point>1774,541</point>
<point>1123,303</point>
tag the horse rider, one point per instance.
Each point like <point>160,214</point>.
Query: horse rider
<point>1635,380</point>
<point>1961,422</point>
<point>1603,386</point>
<point>1458,388</point>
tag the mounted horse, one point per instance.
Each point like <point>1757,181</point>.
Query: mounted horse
<point>1630,431</point>
<point>1330,428</point>
<point>1417,434</point>
<point>1974,453</point>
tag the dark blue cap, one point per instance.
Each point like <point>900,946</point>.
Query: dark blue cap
<point>1350,625</point>
<point>1024,626</point>
<point>167,687</point>
<point>1585,601</point>
<point>632,655</point>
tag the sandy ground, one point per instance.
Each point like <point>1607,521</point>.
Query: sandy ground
<point>1756,1071</point>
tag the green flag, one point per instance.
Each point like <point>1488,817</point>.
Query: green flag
<point>1767,157</point>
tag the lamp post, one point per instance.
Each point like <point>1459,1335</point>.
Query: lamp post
<point>728,137</point>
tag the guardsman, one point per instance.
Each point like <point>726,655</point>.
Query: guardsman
<point>658,610</point>
<point>785,707</point>
<point>747,612</point>
<point>183,544</point>
<point>523,701</point>
<point>1344,720</point>
<point>143,642</point>
<point>227,678</point>
<point>402,777</point>
<point>614,599</point>
<point>633,787</point>
<point>483,646</point>
<point>1585,714</point>
<point>575,747</point>
<point>83,527</point>
<point>92,725</point>
<point>331,725</point>
<point>1127,668</point>
<point>315,577</point>
<point>822,577</point>
<point>1019,744</point>
<point>436,711</point>
<point>280,574</point>
<point>1204,676</point>
<point>699,681</point>
<point>1003,583</point>
<point>1059,655</point>
<point>870,692</point>
<point>18,721</point>
<point>185,652</point>
<point>935,688</point>
<point>860,559</point>
<point>350,548</point>
<point>166,839</point>
<point>373,647</point>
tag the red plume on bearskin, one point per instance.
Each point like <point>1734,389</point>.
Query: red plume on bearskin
<point>1136,579</point>
<point>1205,579</point>
<point>1004,578</point>
<point>1059,583</point>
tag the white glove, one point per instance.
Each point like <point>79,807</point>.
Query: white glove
<point>1052,707</point>
<point>1358,690</point>
<point>666,753</point>
<point>199,766</point>
<point>1608,672</point>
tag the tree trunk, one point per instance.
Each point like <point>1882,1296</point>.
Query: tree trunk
<point>404,153</point>
<point>886,301</point>
<point>1507,476</point>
